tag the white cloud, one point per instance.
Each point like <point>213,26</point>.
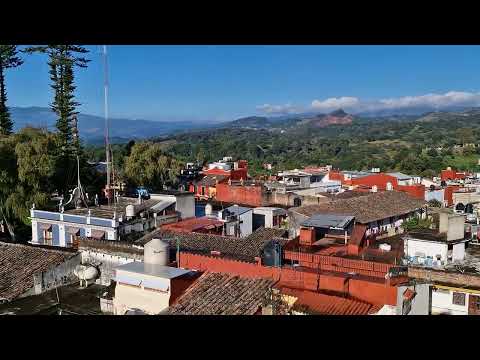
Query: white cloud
<point>335,103</point>
<point>451,98</point>
<point>355,105</point>
<point>278,109</point>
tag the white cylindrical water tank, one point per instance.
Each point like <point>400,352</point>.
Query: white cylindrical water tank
<point>156,252</point>
<point>208,209</point>
<point>130,211</point>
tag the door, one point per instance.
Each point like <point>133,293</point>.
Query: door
<point>473,304</point>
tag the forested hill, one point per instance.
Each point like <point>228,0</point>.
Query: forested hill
<point>422,144</point>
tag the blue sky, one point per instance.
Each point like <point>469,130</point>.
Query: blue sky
<point>225,82</point>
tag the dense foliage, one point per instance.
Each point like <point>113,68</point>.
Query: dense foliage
<point>30,171</point>
<point>149,166</point>
<point>421,146</point>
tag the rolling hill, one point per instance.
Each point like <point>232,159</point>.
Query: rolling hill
<point>92,127</point>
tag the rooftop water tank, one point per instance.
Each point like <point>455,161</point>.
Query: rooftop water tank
<point>156,252</point>
<point>208,209</point>
<point>385,247</point>
<point>130,211</point>
<point>85,272</point>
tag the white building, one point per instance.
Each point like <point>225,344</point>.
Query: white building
<point>268,217</point>
<point>437,248</point>
<point>238,220</point>
<point>149,286</point>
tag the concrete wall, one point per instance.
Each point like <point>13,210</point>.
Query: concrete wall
<point>456,228</point>
<point>56,276</point>
<point>131,297</point>
<point>415,247</point>
<point>185,205</point>
<point>107,262</point>
<point>458,253</point>
<point>442,303</point>
<point>246,227</point>
<point>421,303</point>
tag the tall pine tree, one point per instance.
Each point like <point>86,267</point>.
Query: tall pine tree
<point>8,59</point>
<point>62,60</point>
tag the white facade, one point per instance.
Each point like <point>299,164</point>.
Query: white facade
<point>269,213</point>
<point>143,286</point>
<point>443,301</point>
<point>246,225</point>
<point>420,251</point>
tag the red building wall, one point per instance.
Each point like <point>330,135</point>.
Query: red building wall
<point>448,193</point>
<point>234,174</point>
<point>380,180</point>
<point>246,195</point>
<point>374,292</point>
<point>335,175</point>
<point>417,191</point>
<point>451,175</point>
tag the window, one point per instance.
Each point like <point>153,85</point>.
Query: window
<point>475,302</point>
<point>458,299</point>
<point>47,237</point>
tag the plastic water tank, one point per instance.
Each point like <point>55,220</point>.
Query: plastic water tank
<point>130,211</point>
<point>208,209</point>
<point>385,247</point>
<point>85,272</point>
<point>156,252</point>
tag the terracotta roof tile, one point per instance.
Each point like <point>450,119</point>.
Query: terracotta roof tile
<point>245,249</point>
<point>372,207</point>
<point>222,294</point>
<point>322,304</point>
<point>18,264</point>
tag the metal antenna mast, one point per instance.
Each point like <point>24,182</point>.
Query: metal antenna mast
<point>107,136</point>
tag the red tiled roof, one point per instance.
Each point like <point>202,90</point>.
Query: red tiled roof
<point>368,208</point>
<point>322,304</point>
<point>193,224</point>
<point>222,294</point>
<point>18,264</point>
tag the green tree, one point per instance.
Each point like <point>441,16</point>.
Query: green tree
<point>464,135</point>
<point>62,60</point>
<point>149,166</point>
<point>435,203</point>
<point>27,163</point>
<point>8,59</point>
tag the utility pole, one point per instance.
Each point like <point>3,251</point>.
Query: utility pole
<point>107,140</point>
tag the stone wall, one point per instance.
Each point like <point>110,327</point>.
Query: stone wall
<point>444,277</point>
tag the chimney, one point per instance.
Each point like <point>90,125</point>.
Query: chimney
<point>307,236</point>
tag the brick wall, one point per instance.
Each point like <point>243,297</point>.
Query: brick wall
<point>247,195</point>
<point>374,292</point>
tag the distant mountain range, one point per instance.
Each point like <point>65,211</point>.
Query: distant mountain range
<point>92,127</point>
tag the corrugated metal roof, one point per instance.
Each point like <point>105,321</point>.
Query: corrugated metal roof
<point>328,221</point>
<point>162,205</point>
<point>400,176</point>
